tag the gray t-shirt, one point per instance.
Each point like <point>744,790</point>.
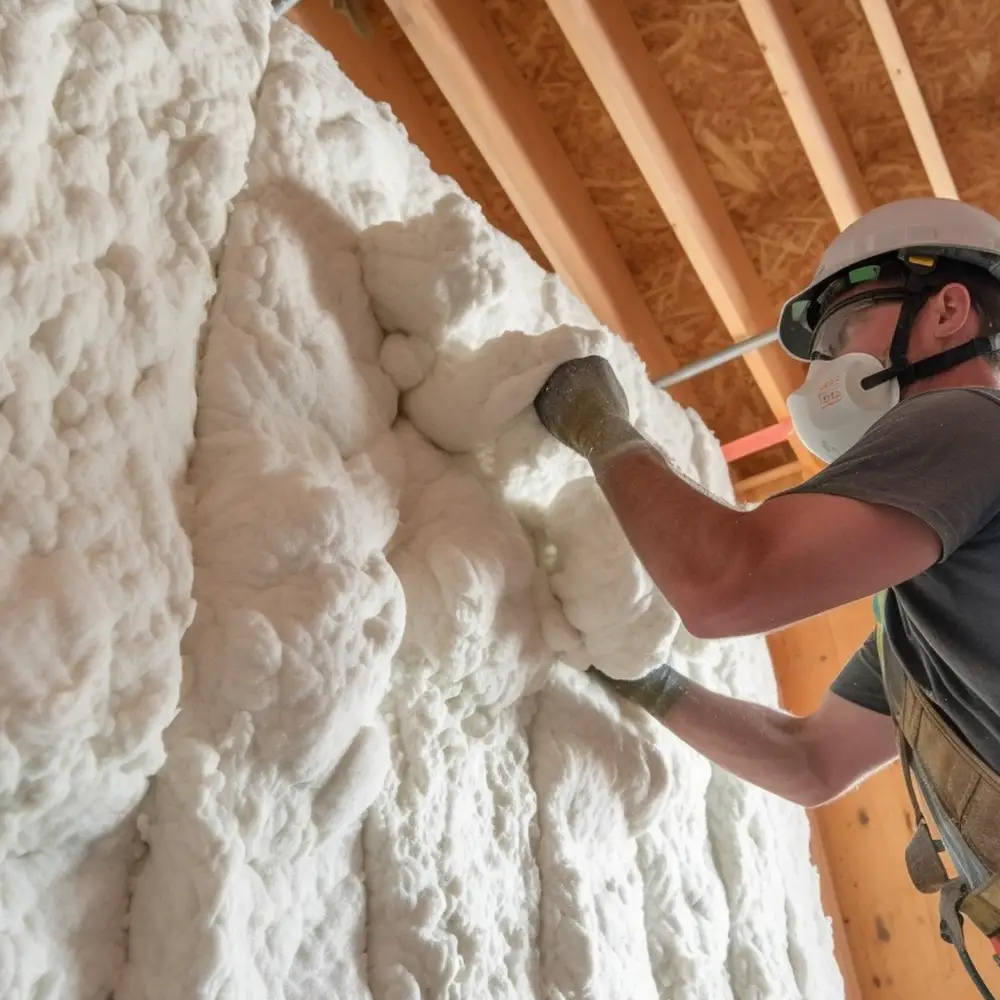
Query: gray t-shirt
<point>937,456</point>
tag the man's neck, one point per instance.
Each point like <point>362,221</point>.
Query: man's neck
<point>974,374</point>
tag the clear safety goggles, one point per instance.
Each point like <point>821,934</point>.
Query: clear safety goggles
<point>801,317</point>
<point>835,325</point>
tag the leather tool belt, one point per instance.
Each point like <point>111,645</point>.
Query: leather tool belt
<point>962,794</point>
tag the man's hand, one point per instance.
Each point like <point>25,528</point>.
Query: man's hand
<point>657,692</point>
<point>583,405</point>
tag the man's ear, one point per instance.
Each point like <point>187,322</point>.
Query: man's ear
<point>950,309</point>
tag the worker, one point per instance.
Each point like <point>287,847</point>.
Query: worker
<point>901,329</point>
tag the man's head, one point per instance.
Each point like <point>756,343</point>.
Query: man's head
<point>907,298</point>
<point>961,302</point>
<point>923,243</point>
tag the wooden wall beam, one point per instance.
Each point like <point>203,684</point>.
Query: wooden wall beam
<point>786,51</point>
<point>608,45</point>
<point>831,906</point>
<point>911,100</point>
<point>470,64</point>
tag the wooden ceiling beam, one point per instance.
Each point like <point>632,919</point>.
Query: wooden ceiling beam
<point>470,64</point>
<point>608,45</point>
<point>373,67</point>
<point>787,53</point>
<point>911,100</point>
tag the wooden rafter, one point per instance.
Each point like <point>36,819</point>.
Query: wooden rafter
<point>786,51</point>
<point>911,100</point>
<point>470,64</point>
<point>609,47</point>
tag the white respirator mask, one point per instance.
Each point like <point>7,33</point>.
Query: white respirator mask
<point>832,411</point>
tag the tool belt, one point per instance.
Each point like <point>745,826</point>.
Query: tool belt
<point>963,797</point>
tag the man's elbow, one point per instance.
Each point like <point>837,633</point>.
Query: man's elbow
<point>728,600</point>
<point>815,785</point>
<point>721,611</point>
<point>704,623</point>
<point>830,778</point>
<point>819,793</point>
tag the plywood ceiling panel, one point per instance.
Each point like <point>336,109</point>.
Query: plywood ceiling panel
<point>955,51</point>
<point>858,82</point>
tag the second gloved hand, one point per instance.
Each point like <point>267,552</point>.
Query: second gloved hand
<point>657,692</point>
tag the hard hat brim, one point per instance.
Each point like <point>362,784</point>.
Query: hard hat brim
<point>795,333</point>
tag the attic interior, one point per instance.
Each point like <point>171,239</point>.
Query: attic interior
<point>682,164</point>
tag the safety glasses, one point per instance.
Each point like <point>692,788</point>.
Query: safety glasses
<point>801,315</point>
<point>836,325</point>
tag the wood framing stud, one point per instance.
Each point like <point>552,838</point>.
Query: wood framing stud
<point>467,58</point>
<point>911,100</point>
<point>784,46</point>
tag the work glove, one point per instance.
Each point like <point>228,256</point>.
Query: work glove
<point>657,692</point>
<point>583,405</point>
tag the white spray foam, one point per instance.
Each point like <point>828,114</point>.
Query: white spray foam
<point>123,142</point>
<point>381,783</point>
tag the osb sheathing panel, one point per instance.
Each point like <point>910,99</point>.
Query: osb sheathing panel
<point>713,67</point>
<point>858,83</point>
<point>954,46</point>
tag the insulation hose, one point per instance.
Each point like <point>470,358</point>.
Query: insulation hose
<point>973,972</point>
<point>951,932</point>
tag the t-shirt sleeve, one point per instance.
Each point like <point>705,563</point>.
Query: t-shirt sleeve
<point>935,455</point>
<point>860,681</point>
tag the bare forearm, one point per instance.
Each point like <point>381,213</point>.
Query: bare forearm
<point>686,539</point>
<point>731,572</point>
<point>766,747</point>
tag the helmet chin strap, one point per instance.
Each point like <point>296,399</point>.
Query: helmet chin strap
<point>918,291</point>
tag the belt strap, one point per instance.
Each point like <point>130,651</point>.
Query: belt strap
<point>965,788</point>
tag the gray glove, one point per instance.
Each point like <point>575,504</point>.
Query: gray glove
<point>583,405</point>
<point>657,692</point>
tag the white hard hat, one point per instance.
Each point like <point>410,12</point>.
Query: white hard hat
<point>930,227</point>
